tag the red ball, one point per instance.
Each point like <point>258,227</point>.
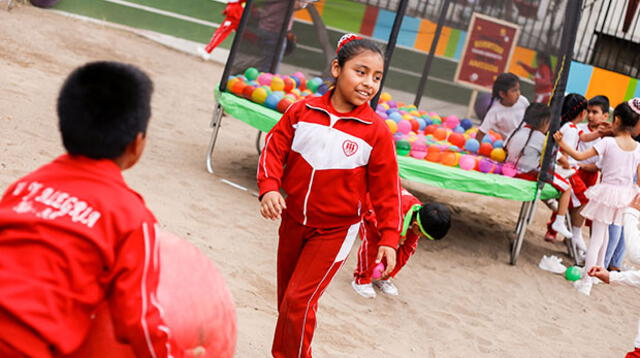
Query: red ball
<point>198,307</point>
<point>430,129</point>
<point>457,139</point>
<point>247,91</point>
<point>283,105</point>
<point>415,125</point>
<point>485,149</point>
<point>238,88</point>
<point>289,84</point>
<point>441,134</point>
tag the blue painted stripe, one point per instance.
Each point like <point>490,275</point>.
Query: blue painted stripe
<point>461,40</point>
<point>384,23</point>
<point>409,31</point>
<point>579,78</point>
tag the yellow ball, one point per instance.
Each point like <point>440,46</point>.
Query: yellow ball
<point>259,95</point>
<point>393,126</point>
<point>498,154</point>
<point>277,84</point>
<point>415,113</point>
<point>385,97</point>
<point>385,106</point>
<point>231,83</point>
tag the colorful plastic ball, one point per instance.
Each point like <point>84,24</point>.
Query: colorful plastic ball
<point>403,147</point>
<point>498,144</point>
<point>485,149</point>
<point>451,122</point>
<point>248,91</point>
<point>238,88</point>
<point>312,86</point>
<point>251,73</point>
<point>457,139</point>
<point>466,123</point>
<point>498,154</point>
<point>278,94</point>
<point>436,120</point>
<point>392,104</point>
<point>421,123</point>
<point>440,134</point>
<point>272,101</point>
<point>472,145</point>
<point>572,273</point>
<point>284,104</point>
<point>487,139</point>
<point>322,88</point>
<point>467,162</point>
<point>393,126</point>
<point>231,82</point>
<point>450,159</point>
<point>415,125</point>
<point>434,157</point>
<point>385,97</point>
<point>414,113</point>
<point>459,129</point>
<point>267,89</point>
<point>298,75</point>
<point>497,169</point>
<point>509,169</point>
<point>264,79</point>
<point>418,149</point>
<point>404,126</point>
<point>383,115</point>
<point>259,95</point>
<point>486,165</point>
<point>430,129</point>
<point>277,84</point>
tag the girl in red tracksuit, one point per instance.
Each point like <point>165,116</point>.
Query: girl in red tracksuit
<point>327,153</point>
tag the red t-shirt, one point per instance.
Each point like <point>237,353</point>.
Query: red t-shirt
<point>73,235</point>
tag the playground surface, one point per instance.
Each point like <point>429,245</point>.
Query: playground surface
<point>458,297</point>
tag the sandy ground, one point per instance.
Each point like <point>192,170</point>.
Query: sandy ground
<point>459,297</point>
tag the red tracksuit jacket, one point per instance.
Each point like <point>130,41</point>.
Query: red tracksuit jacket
<point>327,162</point>
<point>72,235</point>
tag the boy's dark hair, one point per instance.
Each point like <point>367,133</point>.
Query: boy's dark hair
<point>102,107</point>
<point>572,105</point>
<point>356,47</point>
<point>535,116</point>
<point>435,219</point>
<point>600,101</point>
<point>628,117</point>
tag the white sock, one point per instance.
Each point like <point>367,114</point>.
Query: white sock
<point>559,219</point>
<point>577,237</point>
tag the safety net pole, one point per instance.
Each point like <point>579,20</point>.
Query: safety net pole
<point>569,31</point>
<point>282,37</point>
<point>234,45</point>
<point>391,45</point>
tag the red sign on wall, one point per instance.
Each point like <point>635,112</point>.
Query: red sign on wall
<point>487,51</point>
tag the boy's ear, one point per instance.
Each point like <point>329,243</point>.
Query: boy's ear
<point>134,150</point>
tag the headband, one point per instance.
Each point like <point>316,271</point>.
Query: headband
<point>345,39</point>
<point>634,103</point>
<point>407,222</point>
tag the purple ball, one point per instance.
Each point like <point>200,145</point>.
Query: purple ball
<point>486,165</point>
<point>392,104</point>
<point>382,114</point>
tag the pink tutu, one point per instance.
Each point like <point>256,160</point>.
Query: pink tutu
<point>607,202</point>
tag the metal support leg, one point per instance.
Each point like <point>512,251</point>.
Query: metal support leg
<point>258,139</point>
<point>528,208</point>
<point>215,124</point>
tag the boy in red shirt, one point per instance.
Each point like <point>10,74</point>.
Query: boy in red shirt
<point>73,234</point>
<point>431,221</point>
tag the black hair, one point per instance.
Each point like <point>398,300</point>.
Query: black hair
<point>503,83</point>
<point>535,116</point>
<point>572,105</point>
<point>355,47</point>
<point>600,101</point>
<point>543,59</point>
<point>102,106</point>
<point>628,117</point>
<point>435,219</point>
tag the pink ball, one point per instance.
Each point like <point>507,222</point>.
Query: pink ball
<point>486,165</point>
<point>418,149</point>
<point>451,122</point>
<point>404,126</point>
<point>377,271</point>
<point>467,162</point>
<point>509,170</point>
<point>265,79</point>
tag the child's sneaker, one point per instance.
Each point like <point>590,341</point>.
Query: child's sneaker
<point>365,290</point>
<point>584,285</point>
<point>387,287</point>
<point>561,228</point>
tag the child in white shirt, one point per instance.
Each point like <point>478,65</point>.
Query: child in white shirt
<point>506,108</point>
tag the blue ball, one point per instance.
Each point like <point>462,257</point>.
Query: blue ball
<point>498,144</point>
<point>459,129</point>
<point>296,80</point>
<point>322,89</point>
<point>472,145</point>
<point>466,123</point>
<point>272,101</point>
<point>391,110</point>
<point>427,122</point>
<point>279,94</point>
<point>421,122</point>
<point>487,139</point>
<point>395,116</point>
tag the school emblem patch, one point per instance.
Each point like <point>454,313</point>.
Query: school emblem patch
<point>349,147</point>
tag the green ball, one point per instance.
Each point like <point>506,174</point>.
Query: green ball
<point>403,147</point>
<point>312,85</point>
<point>251,73</point>
<point>572,273</point>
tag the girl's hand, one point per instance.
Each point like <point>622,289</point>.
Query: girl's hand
<point>557,136</point>
<point>389,254</point>
<point>271,205</point>
<point>599,272</point>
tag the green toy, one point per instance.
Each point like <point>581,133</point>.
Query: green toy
<point>572,273</point>
<point>403,147</point>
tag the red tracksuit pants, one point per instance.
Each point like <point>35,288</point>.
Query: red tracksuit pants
<point>369,251</point>
<point>308,258</point>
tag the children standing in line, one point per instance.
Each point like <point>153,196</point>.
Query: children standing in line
<point>327,153</point>
<point>632,246</point>
<point>430,221</point>
<point>619,157</point>
<point>506,108</point>
<point>74,235</point>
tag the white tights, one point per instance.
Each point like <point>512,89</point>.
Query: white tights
<point>597,245</point>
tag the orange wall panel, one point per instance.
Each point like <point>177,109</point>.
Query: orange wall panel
<point>525,55</point>
<point>608,83</point>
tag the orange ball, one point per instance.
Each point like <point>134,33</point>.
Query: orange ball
<point>450,159</point>
<point>433,156</point>
<point>485,149</point>
<point>440,134</point>
<point>430,129</point>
